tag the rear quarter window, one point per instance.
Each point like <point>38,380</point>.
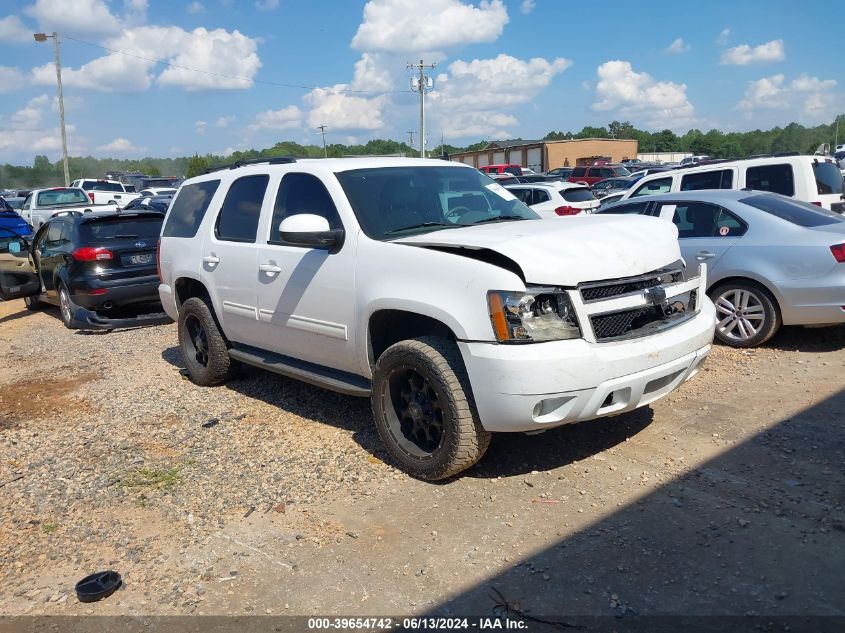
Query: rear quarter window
<point>774,178</point>
<point>794,211</point>
<point>828,178</point>
<point>188,209</point>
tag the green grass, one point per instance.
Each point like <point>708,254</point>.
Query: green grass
<point>49,527</point>
<point>152,478</point>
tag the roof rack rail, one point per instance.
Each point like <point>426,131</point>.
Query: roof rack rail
<point>775,155</point>
<point>271,160</point>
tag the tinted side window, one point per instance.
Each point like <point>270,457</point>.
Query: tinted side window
<point>717,179</point>
<point>579,172</point>
<point>523,195</point>
<point>541,196</point>
<point>776,178</point>
<point>638,208</point>
<point>302,193</point>
<point>54,234</point>
<point>238,219</point>
<point>659,185</point>
<point>795,211</point>
<point>699,219</point>
<point>189,208</point>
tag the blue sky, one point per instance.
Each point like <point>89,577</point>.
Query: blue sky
<point>504,68</point>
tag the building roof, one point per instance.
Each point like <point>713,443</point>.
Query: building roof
<point>516,142</point>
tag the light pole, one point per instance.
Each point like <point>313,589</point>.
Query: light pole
<point>42,37</point>
<point>322,129</point>
<point>421,84</point>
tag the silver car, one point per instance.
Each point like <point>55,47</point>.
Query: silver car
<point>771,260</point>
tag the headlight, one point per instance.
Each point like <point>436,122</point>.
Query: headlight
<point>540,314</point>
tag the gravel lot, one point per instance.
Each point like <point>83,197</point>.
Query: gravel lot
<point>110,458</point>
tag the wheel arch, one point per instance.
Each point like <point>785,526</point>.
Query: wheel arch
<point>387,326</point>
<point>186,287</point>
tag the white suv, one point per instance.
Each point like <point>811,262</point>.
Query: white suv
<point>812,179</point>
<point>429,288</point>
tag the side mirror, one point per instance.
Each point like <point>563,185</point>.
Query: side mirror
<point>311,230</point>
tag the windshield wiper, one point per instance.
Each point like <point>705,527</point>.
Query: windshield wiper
<point>501,218</point>
<point>422,225</point>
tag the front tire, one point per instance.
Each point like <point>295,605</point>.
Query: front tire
<point>33,303</point>
<point>424,411</point>
<point>747,314</point>
<point>203,346</point>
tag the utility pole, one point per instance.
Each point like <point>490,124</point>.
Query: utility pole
<point>322,129</point>
<point>42,37</point>
<point>410,138</point>
<point>421,84</point>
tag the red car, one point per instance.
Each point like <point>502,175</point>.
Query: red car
<point>516,170</point>
<point>591,174</point>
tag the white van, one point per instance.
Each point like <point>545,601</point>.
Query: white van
<point>813,179</point>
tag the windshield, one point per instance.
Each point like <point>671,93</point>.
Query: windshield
<point>56,197</point>
<point>101,185</point>
<point>392,202</point>
<point>828,178</point>
<point>621,171</point>
<point>147,228</point>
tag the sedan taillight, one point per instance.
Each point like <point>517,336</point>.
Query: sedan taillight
<point>567,211</point>
<point>838,251</point>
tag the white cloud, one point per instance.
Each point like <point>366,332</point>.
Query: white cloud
<point>80,17</point>
<point>527,6</point>
<point>287,118</point>
<point>195,8</point>
<point>659,104</point>
<point>344,111</point>
<point>217,52</point>
<point>26,131</point>
<point>678,46</point>
<point>11,79</point>
<point>266,5</point>
<point>814,98</point>
<point>724,37</point>
<point>13,30</point>
<point>224,121</point>
<point>200,127</point>
<point>478,124</point>
<point>414,26</point>
<point>120,145</point>
<point>495,83</point>
<point>744,54</point>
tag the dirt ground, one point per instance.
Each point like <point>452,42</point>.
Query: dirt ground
<point>271,497</point>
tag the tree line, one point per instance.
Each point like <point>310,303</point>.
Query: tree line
<point>792,138</point>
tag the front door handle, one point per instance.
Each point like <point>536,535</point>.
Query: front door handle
<point>211,259</point>
<point>271,269</point>
<point>702,255</point>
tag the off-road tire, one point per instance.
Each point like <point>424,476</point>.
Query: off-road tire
<point>771,313</point>
<point>463,441</point>
<point>219,367</point>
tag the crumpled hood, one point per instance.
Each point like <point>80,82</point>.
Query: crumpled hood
<point>569,251</point>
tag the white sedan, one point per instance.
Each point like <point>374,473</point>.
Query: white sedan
<point>556,199</point>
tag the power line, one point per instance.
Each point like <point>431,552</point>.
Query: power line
<point>235,77</point>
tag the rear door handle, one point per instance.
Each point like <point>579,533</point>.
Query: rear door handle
<point>702,255</point>
<point>270,268</point>
<point>211,259</point>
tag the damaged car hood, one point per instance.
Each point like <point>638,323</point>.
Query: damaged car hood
<point>568,251</point>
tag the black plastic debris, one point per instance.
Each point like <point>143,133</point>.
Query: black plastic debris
<point>98,586</point>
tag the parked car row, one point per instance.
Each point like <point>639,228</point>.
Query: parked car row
<point>459,306</point>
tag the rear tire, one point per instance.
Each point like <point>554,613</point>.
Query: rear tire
<point>66,306</point>
<point>203,346</point>
<point>747,315</point>
<point>423,408</point>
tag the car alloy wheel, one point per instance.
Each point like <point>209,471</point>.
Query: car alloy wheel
<point>65,305</point>
<point>740,312</point>
<point>197,340</point>
<point>414,412</point>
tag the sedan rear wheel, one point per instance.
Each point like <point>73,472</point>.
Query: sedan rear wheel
<point>746,314</point>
